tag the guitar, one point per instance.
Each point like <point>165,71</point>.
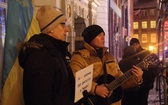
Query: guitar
<point>114,85</point>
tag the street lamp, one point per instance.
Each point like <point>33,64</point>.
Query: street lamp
<point>151,48</point>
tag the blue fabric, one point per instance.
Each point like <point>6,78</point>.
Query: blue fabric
<point>19,17</point>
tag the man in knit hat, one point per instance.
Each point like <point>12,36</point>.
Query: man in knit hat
<point>138,96</point>
<point>47,78</point>
<point>104,66</point>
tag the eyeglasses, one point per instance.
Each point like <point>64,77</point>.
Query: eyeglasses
<point>64,24</point>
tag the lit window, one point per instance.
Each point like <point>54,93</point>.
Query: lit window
<point>152,24</point>
<point>135,25</point>
<point>144,38</point>
<point>153,38</point>
<point>144,24</point>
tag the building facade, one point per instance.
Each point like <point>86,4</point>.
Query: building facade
<point>144,25</point>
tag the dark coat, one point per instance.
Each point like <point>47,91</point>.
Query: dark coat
<point>149,74</point>
<point>47,78</point>
<point>138,95</point>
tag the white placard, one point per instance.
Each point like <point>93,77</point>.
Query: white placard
<point>83,81</point>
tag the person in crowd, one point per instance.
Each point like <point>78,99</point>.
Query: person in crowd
<point>127,60</point>
<point>47,78</point>
<point>104,66</point>
<point>134,55</point>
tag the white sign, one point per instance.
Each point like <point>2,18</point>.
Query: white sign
<point>83,81</point>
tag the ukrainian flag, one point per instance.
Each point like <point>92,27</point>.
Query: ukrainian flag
<point>21,25</point>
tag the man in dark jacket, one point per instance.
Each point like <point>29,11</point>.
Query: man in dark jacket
<point>133,55</point>
<point>47,78</point>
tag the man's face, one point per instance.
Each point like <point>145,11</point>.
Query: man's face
<point>136,45</point>
<point>59,32</point>
<point>98,41</point>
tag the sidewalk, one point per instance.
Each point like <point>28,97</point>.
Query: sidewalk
<point>155,97</point>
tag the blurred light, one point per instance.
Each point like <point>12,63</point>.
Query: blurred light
<point>165,48</point>
<point>160,58</point>
<point>151,48</point>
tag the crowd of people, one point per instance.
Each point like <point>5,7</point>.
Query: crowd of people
<point>49,69</point>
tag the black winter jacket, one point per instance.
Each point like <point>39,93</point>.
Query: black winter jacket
<point>149,74</point>
<point>47,78</point>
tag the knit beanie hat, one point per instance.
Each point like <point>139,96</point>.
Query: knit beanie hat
<point>91,32</point>
<point>129,50</point>
<point>134,40</point>
<point>48,18</point>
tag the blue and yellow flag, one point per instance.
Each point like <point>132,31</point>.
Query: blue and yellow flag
<point>21,25</point>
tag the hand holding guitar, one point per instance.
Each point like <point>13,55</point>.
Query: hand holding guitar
<point>101,90</point>
<point>112,90</point>
<point>137,72</point>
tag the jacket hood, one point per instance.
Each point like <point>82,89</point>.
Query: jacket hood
<point>37,42</point>
<point>25,48</point>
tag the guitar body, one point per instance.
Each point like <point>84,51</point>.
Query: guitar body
<point>116,95</point>
<point>115,84</point>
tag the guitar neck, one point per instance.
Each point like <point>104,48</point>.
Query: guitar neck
<point>117,82</point>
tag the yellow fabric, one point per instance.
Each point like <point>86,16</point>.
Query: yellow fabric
<point>12,92</point>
